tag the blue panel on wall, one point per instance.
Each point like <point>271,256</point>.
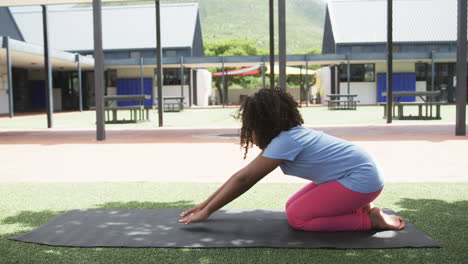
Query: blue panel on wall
<point>402,81</point>
<point>37,95</point>
<point>132,86</point>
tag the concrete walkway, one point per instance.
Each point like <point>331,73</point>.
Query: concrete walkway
<point>407,153</point>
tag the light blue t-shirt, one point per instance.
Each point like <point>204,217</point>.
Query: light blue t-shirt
<point>322,158</point>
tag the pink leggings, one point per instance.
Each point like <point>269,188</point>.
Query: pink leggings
<point>329,207</point>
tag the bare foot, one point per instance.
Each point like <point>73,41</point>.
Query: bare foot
<point>380,220</point>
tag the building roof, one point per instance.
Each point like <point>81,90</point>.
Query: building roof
<point>124,27</point>
<point>364,21</point>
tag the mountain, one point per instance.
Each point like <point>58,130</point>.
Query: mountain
<point>249,19</point>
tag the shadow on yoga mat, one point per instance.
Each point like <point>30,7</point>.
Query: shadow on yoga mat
<point>225,229</point>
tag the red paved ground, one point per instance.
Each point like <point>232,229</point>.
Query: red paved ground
<point>407,153</point>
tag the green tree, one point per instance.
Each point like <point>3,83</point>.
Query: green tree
<point>233,47</point>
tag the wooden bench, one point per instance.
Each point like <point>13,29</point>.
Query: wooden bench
<point>172,107</point>
<point>342,104</point>
<point>137,113</point>
<point>172,103</point>
<point>428,114</point>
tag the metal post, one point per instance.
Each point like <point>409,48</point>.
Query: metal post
<point>190,88</point>
<point>390,60</point>
<point>98,70</point>
<point>263,73</point>
<point>47,69</point>
<point>223,83</point>
<point>142,81</point>
<point>301,86</point>
<point>159,62</point>
<point>182,78</point>
<point>348,70</point>
<point>460,129</point>
<point>80,84</point>
<point>282,43</point>
<point>272,44</point>
<point>432,72</point>
<point>307,82</point>
<point>10,76</point>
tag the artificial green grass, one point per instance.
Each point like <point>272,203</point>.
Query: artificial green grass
<point>220,117</point>
<point>438,209</point>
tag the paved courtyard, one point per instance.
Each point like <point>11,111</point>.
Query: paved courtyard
<point>407,153</point>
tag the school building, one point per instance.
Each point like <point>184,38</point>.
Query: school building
<point>424,47</point>
<point>129,44</point>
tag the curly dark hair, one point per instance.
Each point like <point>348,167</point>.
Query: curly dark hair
<point>267,113</point>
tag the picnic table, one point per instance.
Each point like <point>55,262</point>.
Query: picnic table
<point>427,102</point>
<point>172,103</point>
<point>342,101</point>
<point>138,113</point>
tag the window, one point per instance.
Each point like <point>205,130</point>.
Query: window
<point>172,76</point>
<point>422,71</point>
<point>359,72</point>
<point>111,78</point>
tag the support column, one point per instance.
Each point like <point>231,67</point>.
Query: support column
<point>460,129</point>
<point>182,78</point>
<point>348,70</point>
<point>142,81</point>
<point>159,69</point>
<point>432,72</point>
<point>223,83</point>
<point>47,69</point>
<point>272,44</point>
<point>390,60</point>
<point>190,87</point>
<point>307,82</point>
<point>301,86</point>
<point>282,43</point>
<point>263,73</point>
<point>11,110</point>
<point>98,70</point>
<point>80,83</point>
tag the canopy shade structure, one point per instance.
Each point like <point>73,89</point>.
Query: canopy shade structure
<point>48,2</point>
<point>254,70</point>
<point>244,71</point>
<point>291,70</point>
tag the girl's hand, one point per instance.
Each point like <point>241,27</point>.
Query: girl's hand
<point>198,216</point>
<point>193,210</point>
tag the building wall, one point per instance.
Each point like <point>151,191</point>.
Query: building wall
<point>197,46</point>
<point>168,90</point>
<point>204,88</point>
<point>4,103</point>
<point>328,45</point>
<point>367,91</point>
<point>407,66</point>
<point>8,25</point>
<point>397,47</point>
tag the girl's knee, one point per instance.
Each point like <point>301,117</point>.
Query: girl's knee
<point>293,220</point>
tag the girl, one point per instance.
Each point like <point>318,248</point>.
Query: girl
<point>345,179</point>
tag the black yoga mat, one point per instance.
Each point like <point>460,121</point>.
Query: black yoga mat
<point>225,229</point>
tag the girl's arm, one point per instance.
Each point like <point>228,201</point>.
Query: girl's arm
<point>205,203</point>
<point>235,186</point>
